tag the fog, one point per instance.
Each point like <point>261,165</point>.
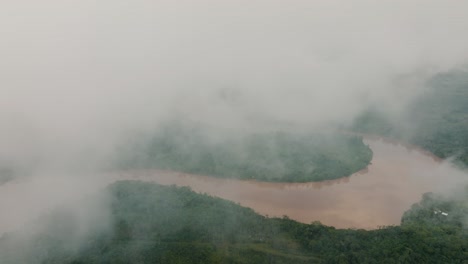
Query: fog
<point>80,73</point>
<point>77,78</point>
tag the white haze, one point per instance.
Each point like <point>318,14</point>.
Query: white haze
<point>78,76</point>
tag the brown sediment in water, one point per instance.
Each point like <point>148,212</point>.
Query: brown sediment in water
<point>393,141</point>
<point>376,196</point>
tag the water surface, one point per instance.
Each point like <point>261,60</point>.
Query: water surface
<point>377,196</point>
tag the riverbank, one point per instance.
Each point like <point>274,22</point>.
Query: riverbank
<point>151,223</point>
<point>267,156</point>
<point>378,196</point>
<point>374,197</point>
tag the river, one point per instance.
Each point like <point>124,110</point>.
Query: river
<point>377,196</point>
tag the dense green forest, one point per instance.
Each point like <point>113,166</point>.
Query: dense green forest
<point>436,121</point>
<point>151,223</point>
<point>279,156</point>
<point>167,224</point>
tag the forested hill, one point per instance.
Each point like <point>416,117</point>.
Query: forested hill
<point>272,156</point>
<point>159,224</point>
<point>436,121</point>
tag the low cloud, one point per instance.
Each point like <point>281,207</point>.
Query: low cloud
<point>78,77</point>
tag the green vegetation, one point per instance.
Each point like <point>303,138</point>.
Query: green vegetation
<point>442,117</point>
<point>156,224</point>
<point>151,223</point>
<point>437,210</point>
<point>280,156</point>
<point>438,119</point>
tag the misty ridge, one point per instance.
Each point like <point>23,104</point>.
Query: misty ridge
<point>236,90</point>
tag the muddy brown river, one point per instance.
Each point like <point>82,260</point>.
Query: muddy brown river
<point>377,196</point>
